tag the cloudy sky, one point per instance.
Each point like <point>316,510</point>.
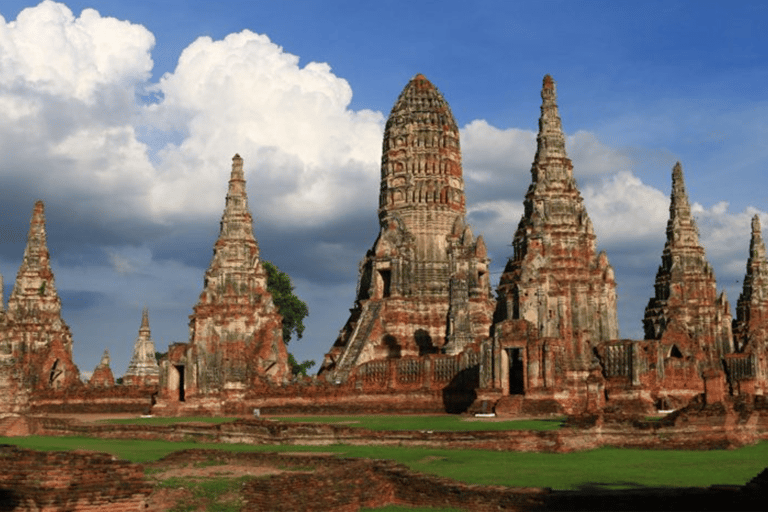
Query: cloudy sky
<point>124,116</point>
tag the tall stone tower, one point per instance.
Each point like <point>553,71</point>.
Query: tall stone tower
<point>750,328</point>
<point>556,279</point>
<point>751,324</point>
<point>235,329</point>
<point>686,309</point>
<point>424,286</point>
<point>35,342</point>
<point>143,369</point>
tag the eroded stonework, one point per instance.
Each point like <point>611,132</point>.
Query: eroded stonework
<point>686,302</point>
<point>235,329</point>
<point>748,366</point>
<point>143,369</point>
<point>424,286</point>
<point>557,295</point>
<point>35,342</point>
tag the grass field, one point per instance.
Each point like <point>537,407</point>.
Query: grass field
<point>607,467</point>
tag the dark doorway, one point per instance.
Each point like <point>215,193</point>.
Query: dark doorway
<point>516,371</point>
<point>386,282</point>
<point>180,369</point>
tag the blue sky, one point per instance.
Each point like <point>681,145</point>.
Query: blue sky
<point>123,118</point>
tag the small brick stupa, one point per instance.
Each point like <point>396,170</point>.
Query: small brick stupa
<point>35,342</point>
<point>235,329</point>
<point>102,375</point>
<point>143,369</point>
<point>424,286</point>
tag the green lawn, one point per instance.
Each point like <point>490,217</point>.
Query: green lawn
<point>614,467</point>
<point>434,423</point>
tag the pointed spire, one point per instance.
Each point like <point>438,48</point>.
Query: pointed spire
<point>550,140</point>
<point>551,163</point>
<point>105,358</point>
<point>756,244</point>
<point>144,322</point>
<point>236,222</point>
<point>35,277</point>
<point>36,251</point>
<point>681,227</point>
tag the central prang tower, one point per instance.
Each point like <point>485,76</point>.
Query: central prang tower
<point>424,285</point>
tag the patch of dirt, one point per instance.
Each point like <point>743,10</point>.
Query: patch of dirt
<point>213,471</point>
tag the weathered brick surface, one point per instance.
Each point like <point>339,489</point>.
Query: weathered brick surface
<point>235,329</point>
<point>35,342</point>
<point>72,481</point>
<point>424,285</point>
<point>102,375</point>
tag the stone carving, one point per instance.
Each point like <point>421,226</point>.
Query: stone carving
<point>143,369</point>
<point>235,329</point>
<point>424,286</point>
<point>35,342</point>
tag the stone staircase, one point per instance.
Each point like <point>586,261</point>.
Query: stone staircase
<point>357,341</point>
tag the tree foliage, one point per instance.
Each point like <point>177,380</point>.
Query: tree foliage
<point>299,368</point>
<point>288,304</point>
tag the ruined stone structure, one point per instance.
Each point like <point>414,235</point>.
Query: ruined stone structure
<point>687,325</point>
<point>686,305</point>
<point>35,342</point>
<point>235,329</point>
<point>102,376</point>
<point>424,286</point>
<point>748,367</point>
<point>143,369</point>
<point>557,295</point>
<point>425,334</point>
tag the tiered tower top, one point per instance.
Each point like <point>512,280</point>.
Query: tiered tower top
<point>421,157</point>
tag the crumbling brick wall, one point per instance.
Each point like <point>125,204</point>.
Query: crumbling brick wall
<point>72,481</point>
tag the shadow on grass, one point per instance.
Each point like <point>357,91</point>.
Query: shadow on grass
<point>624,496</point>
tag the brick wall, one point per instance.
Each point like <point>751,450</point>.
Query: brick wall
<point>72,481</point>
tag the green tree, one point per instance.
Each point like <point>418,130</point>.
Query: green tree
<point>293,310</point>
<point>298,368</point>
<point>288,304</point>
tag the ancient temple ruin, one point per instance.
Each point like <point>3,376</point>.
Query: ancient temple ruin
<point>235,329</point>
<point>143,369</point>
<point>424,286</point>
<point>425,333</point>
<point>747,367</point>
<point>686,304</point>
<point>35,342</point>
<point>557,295</point>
